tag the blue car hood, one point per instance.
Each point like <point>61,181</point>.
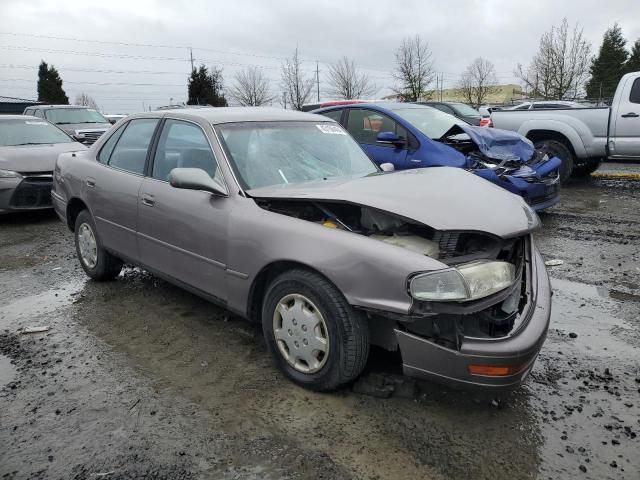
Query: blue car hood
<point>500,144</point>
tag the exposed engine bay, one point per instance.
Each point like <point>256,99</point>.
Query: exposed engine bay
<point>450,247</point>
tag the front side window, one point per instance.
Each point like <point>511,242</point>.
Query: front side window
<point>365,125</point>
<point>130,152</point>
<point>68,116</point>
<point>634,95</point>
<point>30,132</point>
<point>280,153</point>
<point>183,145</point>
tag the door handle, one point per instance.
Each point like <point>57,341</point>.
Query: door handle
<point>630,115</point>
<point>148,200</point>
<point>91,182</point>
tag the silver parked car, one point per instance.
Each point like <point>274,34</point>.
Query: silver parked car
<point>82,123</point>
<point>280,217</point>
<point>29,147</point>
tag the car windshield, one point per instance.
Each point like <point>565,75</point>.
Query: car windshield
<point>466,110</point>
<point>279,153</point>
<point>30,132</point>
<point>62,116</point>
<point>430,121</point>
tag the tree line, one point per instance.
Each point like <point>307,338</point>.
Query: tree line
<point>562,68</point>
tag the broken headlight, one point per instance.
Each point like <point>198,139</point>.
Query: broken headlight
<point>466,282</point>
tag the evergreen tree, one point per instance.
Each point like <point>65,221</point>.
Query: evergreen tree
<point>633,63</point>
<point>609,66</point>
<point>50,85</point>
<point>206,88</point>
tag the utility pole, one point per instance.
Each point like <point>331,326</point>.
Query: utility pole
<point>191,58</point>
<point>318,79</point>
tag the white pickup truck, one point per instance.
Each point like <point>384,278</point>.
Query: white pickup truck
<point>582,137</point>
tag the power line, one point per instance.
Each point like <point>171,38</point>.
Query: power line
<point>122,84</point>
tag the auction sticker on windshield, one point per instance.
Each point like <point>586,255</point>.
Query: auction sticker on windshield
<point>28,122</point>
<point>331,129</point>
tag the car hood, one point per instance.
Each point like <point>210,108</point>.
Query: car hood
<point>443,198</point>
<point>35,158</point>
<point>71,128</point>
<point>497,144</point>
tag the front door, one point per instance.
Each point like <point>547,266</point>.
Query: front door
<point>112,187</point>
<point>365,125</point>
<point>182,233</point>
<point>626,134</point>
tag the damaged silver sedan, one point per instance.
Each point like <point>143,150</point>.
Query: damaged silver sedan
<point>280,217</point>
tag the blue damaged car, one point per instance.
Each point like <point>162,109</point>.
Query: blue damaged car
<point>416,136</point>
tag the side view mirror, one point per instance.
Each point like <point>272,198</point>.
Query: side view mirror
<point>389,138</point>
<point>195,179</point>
<point>387,167</point>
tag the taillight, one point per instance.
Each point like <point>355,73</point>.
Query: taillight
<point>486,122</point>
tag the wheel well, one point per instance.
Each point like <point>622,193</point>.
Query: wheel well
<point>265,276</point>
<point>540,135</point>
<point>74,207</point>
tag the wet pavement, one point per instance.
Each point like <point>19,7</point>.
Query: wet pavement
<point>139,379</point>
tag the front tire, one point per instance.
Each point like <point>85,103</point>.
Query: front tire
<point>97,263</point>
<point>314,335</point>
<point>558,149</point>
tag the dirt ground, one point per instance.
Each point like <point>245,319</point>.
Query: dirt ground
<point>139,379</point>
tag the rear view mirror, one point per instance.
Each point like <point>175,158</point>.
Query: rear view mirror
<point>389,138</point>
<point>195,179</point>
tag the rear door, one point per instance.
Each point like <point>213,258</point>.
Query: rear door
<point>626,118</point>
<point>183,233</point>
<point>364,125</point>
<point>112,188</point>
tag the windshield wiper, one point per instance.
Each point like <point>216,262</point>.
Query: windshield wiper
<point>31,143</point>
<point>67,123</point>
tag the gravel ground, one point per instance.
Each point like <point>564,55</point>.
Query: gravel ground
<point>139,379</point>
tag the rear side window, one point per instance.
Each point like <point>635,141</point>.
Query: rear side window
<point>39,113</point>
<point>130,152</point>
<point>634,95</point>
<point>107,148</point>
<point>333,114</point>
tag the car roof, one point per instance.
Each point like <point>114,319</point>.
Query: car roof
<point>61,106</point>
<point>380,105</point>
<point>216,115</point>
<point>20,117</point>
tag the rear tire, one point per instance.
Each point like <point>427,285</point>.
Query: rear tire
<point>587,168</point>
<point>97,262</point>
<point>558,149</point>
<point>340,332</point>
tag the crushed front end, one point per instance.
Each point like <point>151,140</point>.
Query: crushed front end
<point>490,342</point>
<point>509,160</point>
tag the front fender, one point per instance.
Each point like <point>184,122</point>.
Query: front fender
<point>578,136</point>
<point>368,272</point>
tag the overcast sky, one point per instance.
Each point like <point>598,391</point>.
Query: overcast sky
<point>123,78</point>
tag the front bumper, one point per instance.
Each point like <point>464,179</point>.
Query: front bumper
<point>29,192</point>
<point>517,351</point>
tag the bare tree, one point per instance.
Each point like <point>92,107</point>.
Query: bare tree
<point>86,101</point>
<point>561,67</point>
<point>478,82</point>
<point>297,87</point>
<point>347,83</point>
<point>251,88</point>
<point>414,69</point>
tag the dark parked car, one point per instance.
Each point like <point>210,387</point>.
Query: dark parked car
<point>457,109</point>
<point>29,147</point>
<point>83,123</point>
<point>417,136</point>
<point>280,217</point>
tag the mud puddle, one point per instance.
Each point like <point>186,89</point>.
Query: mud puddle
<point>7,371</point>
